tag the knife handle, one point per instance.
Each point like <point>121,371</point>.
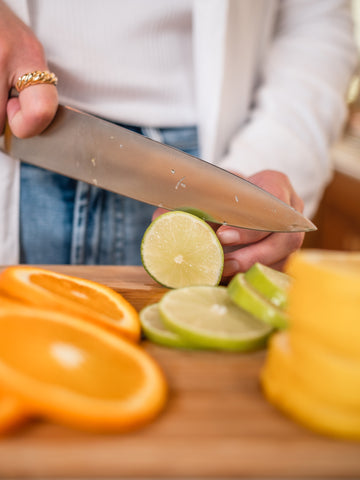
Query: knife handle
<point>5,139</point>
<point>13,93</point>
<point>2,143</point>
<point>6,133</point>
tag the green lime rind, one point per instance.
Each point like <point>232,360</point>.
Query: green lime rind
<point>249,299</point>
<point>272,284</point>
<point>155,330</point>
<point>179,249</point>
<point>206,317</point>
<point>198,213</point>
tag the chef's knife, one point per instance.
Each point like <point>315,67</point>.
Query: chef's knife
<point>84,147</point>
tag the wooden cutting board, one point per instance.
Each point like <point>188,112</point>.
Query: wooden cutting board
<point>216,424</point>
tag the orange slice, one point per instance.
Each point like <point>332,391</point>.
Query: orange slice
<point>89,300</point>
<point>12,413</point>
<point>59,367</point>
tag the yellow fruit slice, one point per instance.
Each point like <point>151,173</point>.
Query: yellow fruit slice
<point>76,373</point>
<point>329,265</point>
<point>334,378</point>
<point>89,300</point>
<point>179,249</point>
<point>324,299</point>
<point>286,390</point>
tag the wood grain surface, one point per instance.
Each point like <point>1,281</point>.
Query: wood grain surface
<point>217,424</point>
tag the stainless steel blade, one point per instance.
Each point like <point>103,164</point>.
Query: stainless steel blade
<point>98,152</point>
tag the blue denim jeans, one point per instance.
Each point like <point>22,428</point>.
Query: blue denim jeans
<point>64,221</point>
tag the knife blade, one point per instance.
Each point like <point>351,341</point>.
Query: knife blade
<point>98,152</point>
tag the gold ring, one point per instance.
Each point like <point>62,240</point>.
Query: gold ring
<point>34,78</point>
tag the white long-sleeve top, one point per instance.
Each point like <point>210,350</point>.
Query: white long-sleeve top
<point>129,61</point>
<point>264,80</point>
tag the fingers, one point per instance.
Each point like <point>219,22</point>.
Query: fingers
<point>158,212</point>
<point>275,183</point>
<point>273,251</point>
<point>279,265</point>
<point>279,185</point>
<point>230,236</point>
<point>21,53</point>
<point>249,247</point>
<point>33,110</point>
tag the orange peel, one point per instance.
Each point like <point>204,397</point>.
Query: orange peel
<point>55,366</point>
<point>89,300</point>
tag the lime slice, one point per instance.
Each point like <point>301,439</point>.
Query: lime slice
<point>274,285</point>
<point>198,213</point>
<point>156,331</point>
<point>246,297</point>
<point>206,316</point>
<point>179,249</point>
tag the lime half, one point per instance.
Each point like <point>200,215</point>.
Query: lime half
<point>179,249</point>
<point>155,330</point>
<point>274,285</point>
<point>205,316</point>
<point>246,297</point>
<point>198,213</point>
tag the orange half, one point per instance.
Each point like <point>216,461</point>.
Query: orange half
<point>12,413</point>
<point>89,300</point>
<point>76,373</point>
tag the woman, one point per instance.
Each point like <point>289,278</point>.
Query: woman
<point>256,87</point>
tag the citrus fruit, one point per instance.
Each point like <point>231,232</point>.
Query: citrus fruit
<point>332,376</point>
<point>249,299</point>
<point>199,213</point>
<point>272,284</point>
<point>179,249</point>
<point>12,413</point>
<point>286,389</point>
<point>324,300</point>
<point>312,372</point>
<point>155,330</point>
<point>76,373</point>
<point>87,299</point>
<point>205,316</point>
